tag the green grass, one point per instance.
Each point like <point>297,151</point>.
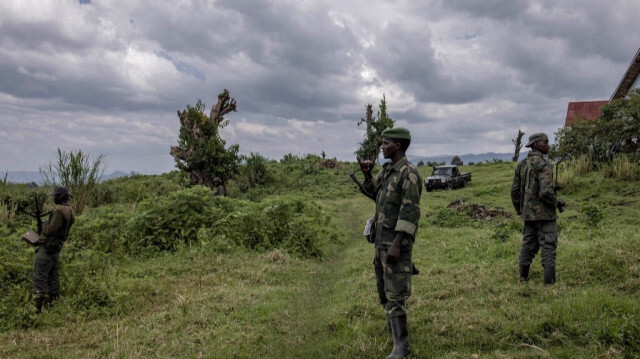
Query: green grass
<point>467,301</point>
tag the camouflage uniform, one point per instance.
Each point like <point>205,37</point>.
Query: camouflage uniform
<point>55,231</point>
<point>219,191</point>
<point>534,199</point>
<point>397,190</point>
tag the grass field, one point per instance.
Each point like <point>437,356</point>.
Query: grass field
<point>200,302</point>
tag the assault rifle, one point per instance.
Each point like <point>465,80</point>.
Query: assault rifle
<point>360,185</point>
<point>557,187</point>
<point>37,214</point>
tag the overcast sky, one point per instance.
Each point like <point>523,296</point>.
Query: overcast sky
<point>107,77</point>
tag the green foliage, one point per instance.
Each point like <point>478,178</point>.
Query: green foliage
<point>253,172</point>
<point>166,223</point>
<point>621,168</point>
<point>294,224</point>
<point>592,214</point>
<point>78,171</point>
<point>135,188</point>
<point>450,218</point>
<point>201,150</point>
<point>369,148</point>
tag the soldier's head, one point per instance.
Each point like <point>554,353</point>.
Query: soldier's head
<point>217,181</point>
<point>539,142</point>
<point>395,141</point>
<point>60,195</point>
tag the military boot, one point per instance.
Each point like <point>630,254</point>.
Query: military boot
<point>400,333</point>
<point>549,274</point>
<point>50,300</point>
<point>39,302</point>
<point>524,272</point>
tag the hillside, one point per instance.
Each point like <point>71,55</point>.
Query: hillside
<point>159,270</point>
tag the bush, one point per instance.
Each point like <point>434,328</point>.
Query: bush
<point>450,218</point>
<point>165,223</point>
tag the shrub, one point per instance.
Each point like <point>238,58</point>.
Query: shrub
<point>449,217</point>
<point>165,223</point>
<point>592,215</point>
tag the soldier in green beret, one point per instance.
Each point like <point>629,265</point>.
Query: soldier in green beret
<point>534,199</point>
<point>55,231</point>
<point>397,191</point>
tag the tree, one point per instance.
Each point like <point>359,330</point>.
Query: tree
<point>518,143</point>
<point>78,171</point>
<point>370,147</point>
<point>456,161</point>
<point>201,150</point>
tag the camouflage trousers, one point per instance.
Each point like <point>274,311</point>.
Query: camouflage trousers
<point>46,275</point>
<point>393,282</point>
<point>539,234</point>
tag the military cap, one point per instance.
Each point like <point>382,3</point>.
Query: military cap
<point>217,179</point>
<point>60,191</point>
<point>536,137</point>
<point>397,133</point>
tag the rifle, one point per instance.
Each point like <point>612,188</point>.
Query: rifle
<point>557,188</point>
<point>362,189</point>
<point>37,214</point>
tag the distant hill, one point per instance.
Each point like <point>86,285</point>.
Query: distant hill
<point>470,157</point>
<point>35,177</point>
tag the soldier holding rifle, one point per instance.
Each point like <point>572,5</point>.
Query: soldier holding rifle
<point>55,231</point>
<point>533,195</point>
<point>396,191</point>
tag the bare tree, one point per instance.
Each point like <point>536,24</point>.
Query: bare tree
<point>518,143</point>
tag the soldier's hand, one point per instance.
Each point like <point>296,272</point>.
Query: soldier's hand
<point>561,203</point>
<point>393,254</point>
<point>366,166</point>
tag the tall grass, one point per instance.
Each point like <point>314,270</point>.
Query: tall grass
<point>621,168</point>
<point>78,171</point>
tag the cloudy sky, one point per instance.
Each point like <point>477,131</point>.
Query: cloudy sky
<point>107,76</point>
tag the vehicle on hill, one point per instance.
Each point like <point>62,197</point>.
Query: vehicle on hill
<point>447,177</point>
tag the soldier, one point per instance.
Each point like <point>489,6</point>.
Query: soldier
<point>219,188</point>
<point>534,199</point>
<point>55,231</point>
<point>397,190</point>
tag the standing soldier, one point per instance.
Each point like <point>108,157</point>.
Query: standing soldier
<point>55,231</point>
<point>534,199</point>
<point>397,191</point>
<point>218,187</point>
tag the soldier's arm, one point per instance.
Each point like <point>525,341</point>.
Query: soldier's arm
<point>369,184</point>
<point>547,193</point>
<point>515,190</point>
<point>409,213</point>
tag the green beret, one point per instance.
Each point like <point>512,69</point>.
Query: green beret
<point>397,133</point>
<point>536,137</point>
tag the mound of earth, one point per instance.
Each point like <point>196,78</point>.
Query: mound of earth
<point>479,211</point>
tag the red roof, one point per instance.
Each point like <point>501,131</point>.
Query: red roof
<point>587,110</point>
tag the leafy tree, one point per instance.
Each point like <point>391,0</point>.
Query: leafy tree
<point>201,150</point>
<point>370,147</point>
<point>420,163</point>
<point>78,171</point>
<point>456,160</point>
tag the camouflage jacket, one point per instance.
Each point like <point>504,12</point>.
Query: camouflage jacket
<point>58,224</point>
<point>397,190</point>
<point>219,191</point>
<point>532,192</point>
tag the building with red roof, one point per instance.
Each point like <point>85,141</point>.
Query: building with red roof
<point>590,110</point>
